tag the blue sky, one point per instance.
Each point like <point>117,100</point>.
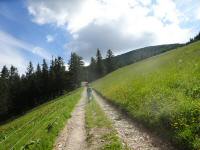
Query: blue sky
<point>31,30</point>
<point>15,21</point>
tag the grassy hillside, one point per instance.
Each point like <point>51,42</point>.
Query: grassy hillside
<point>38,128</point>
<point>162,92</point>
<point>142,53</point>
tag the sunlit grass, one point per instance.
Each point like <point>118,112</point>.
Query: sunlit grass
<point>162,92</point>
<point>38,128</point>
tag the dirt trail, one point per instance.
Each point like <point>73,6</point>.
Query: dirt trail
<point>73,136</point>
<point>131,134</point>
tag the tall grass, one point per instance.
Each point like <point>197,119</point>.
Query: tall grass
<point>162,92</point>
<point>38,128</point>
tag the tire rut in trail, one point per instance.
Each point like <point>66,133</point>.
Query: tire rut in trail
<point>135,137</point>
<point>73,136</point>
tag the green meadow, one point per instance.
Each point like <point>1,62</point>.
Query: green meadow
<point>38,128</point>
<point>161,92</point>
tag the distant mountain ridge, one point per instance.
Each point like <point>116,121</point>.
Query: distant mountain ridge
<point>127,58</point>
<point>142,53</point>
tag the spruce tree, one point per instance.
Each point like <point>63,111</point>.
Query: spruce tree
<point>60,79</point>
<point>44,68</point>
<point>30,85</point>
<point>45,80</point>
<point>38,82</point>
<point>100,69</point>
<point>52,78</point>
<point>30,70</point>
<point>92,69</point>
<point>13,72</point>
<point>4,91</point>
<point>14,88</point>
<point>38,70</point>
<point>110,65</point>
<point>5,72</point>
<point>75,70</point>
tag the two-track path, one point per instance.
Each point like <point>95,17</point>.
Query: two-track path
<point>131,134</point>
<point>73,136</point>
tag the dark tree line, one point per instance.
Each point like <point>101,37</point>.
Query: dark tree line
<point>21,93</point>
<point>99,67</point>
<point>196,38</point>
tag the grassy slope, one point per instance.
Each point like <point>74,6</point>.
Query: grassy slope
<point>163,92</point>
<point>100,133</point>
<point>39,128</point>
<point>142,53</point>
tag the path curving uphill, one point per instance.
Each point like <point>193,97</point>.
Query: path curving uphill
<point>133,136</point>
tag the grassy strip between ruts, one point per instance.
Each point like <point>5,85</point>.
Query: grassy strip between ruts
<point>39,128</point>
<point>162,92</point>
<point>100,133</point>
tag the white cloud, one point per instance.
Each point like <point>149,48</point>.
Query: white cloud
<point>41,52</point>
<point>189,9</point>
<point>198,13</point>
<point>11,52</point>
<point>119,25</point>
<point>49,38</point>
<point>9,56</point>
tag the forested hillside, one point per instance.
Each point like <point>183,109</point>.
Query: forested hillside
<point>100,66</point>
<point>19,93</point>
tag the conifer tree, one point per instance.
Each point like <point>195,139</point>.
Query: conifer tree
<point>110,65</point>
<point>92,69</point>
<point>4,72</point>
<point>30,70</point>
<point>4,91</point>
<point>38,82</point>
<point>30,85</point>
<point>21,93</point>
<point>14,88</point>
<point>100,69</point>
<point>75,70</point>
<point>45,80</point>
